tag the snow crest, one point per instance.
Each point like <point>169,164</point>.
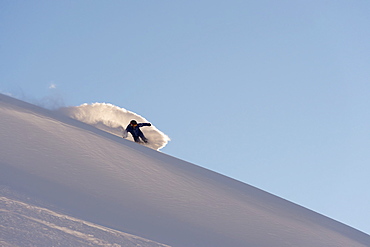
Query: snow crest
<point>24,224</point>
<point>114,119</point>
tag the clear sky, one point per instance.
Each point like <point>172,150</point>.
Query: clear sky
<point>272,93</point>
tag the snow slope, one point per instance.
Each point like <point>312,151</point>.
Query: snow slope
<point>64,182</point>
<point>24,224</point>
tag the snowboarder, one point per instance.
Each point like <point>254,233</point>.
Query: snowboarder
<point>134,129</point>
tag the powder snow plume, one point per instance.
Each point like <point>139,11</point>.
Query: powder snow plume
<point>114,119</point>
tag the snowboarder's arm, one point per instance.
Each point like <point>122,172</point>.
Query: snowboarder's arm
<point>144,124</point>
<point>125,133</point>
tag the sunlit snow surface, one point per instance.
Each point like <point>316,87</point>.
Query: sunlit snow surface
<point>79,182</point>
<point>114,119</point>
<point>24,224</point>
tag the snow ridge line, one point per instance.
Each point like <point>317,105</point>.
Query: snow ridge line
<point>22,209</point>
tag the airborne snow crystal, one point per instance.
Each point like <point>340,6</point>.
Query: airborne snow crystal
<point>112,119</point>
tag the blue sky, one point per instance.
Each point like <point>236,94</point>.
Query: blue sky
<point>272,93</point>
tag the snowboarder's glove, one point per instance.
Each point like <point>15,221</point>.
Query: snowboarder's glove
<point>149,124</point>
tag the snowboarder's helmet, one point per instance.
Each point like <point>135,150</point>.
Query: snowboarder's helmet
<point>133,122</point>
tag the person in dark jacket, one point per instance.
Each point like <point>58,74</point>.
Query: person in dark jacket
<point>134,129</point>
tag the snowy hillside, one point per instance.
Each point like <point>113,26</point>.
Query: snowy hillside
<point>23,224</point>
<point>67,183</point>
